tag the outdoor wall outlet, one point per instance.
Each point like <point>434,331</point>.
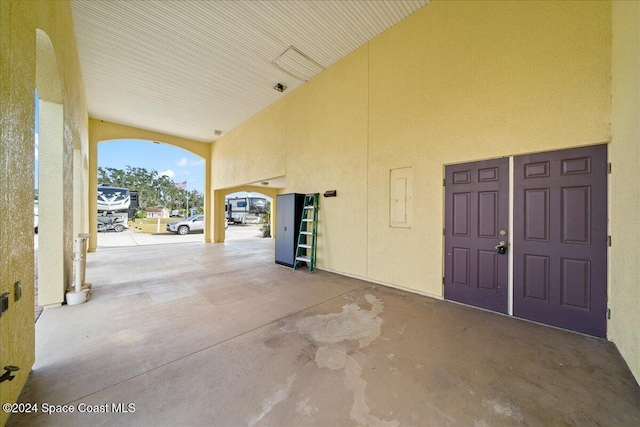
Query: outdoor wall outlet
<point>4,303</point>
<point>17,291</point>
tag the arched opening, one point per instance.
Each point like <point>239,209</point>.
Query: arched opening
<point>220,211</point>
<point>55,180</point>
<point>165,184</point>
<point>103,131</point>
<point>248,215</point>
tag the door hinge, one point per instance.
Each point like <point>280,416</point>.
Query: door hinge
<point>609,241</point>
<point>609,168</point>
<point>444,182</point>
<point>443,280</point>
<point>608,313</point>
<point>443,232</point>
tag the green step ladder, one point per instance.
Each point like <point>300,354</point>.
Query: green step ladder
<point>308,237</point>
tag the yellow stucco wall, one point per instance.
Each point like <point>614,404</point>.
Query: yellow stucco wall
<point>19,21</point>
<point>454,82</point>
<point>464,81</point>
<point>624,183</point>
<point>252,152</point>
<point>327,150</point>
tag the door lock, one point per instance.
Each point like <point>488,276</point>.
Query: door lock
<point>502,247</point>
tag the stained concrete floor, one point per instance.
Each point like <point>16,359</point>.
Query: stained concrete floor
<point>219,335</point>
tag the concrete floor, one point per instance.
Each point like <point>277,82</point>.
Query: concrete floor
<point>219,335</point>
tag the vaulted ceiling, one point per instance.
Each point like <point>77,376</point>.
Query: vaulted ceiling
<point>197,69</point>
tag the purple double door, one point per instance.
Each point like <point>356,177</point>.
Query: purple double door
<point>559,238</point>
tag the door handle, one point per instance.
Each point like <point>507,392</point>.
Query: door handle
<point>502,247</point>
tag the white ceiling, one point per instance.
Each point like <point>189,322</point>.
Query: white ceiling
<point>189,68</point>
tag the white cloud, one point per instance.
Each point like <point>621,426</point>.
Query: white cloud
<point>185,172</point>
<point>37,142</point>
<point>168,173</point>
<point>183,162</point>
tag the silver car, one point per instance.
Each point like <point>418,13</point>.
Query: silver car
<point>186,226</point>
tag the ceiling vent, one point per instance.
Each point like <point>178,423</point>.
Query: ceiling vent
<point>297,64</point>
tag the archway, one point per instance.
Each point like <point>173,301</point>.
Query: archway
<point>219,212</point>
<point>166,183</point>
<point>102,131</point>
<point>248,215</point>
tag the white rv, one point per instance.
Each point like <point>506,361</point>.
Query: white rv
<point>113,204</point>
<point>243,210</point>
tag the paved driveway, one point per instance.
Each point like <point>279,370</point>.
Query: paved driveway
<point>132,238</point>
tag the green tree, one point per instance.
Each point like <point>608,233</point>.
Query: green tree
<point>153,189</point>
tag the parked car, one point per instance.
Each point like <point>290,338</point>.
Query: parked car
<point>186,226</point>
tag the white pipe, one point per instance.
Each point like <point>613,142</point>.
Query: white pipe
<point>78,264</point>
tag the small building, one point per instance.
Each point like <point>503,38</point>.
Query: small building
<point>157,212</point>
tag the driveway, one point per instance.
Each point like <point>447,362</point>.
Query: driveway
<point>132,238</point>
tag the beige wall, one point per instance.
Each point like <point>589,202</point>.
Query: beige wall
<point>19,21</point>
<point>327,150</point>
<point>624,261</point>
<point>253,152</point>
<point>462,81</point>
<point>456,81</point>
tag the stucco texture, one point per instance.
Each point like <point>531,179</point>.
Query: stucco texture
<point>454,82</point>
<point>624,182</point>
<point>463,81</point>
<point>20,21</point>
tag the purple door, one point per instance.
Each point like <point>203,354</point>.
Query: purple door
<point>560,239</point>
<point>476,221</point>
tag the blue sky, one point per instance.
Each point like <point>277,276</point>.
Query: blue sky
<point>178,164</point>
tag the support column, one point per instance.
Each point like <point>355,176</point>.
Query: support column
<point>209,215</point>
<point>52,278</point>
<point>93,193</point>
